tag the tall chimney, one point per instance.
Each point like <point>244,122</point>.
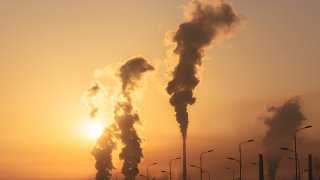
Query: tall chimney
<point>310,177</point>
<point>261,171</point>
<point>184,174</point>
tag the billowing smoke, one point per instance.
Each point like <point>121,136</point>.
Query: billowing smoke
<point>125,119</point>
<point>284,119</point>
<point>207,23</point>
<point>126,115</point>
<point>103,153</point>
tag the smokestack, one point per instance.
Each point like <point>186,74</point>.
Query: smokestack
<point>310,170</point>
<point>206,23</point>
<point>126,115</point>
<point>184,157</point>
<point>283,120</point>
<point>261,170</point>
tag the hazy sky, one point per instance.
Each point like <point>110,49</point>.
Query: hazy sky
<point>49,50</point>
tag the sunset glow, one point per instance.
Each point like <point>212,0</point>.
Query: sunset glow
<point>108,89</point>
<point>94,130</point>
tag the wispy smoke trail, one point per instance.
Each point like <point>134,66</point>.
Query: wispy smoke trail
<point>207,23</point>
<point>94,97</point>
<point>285,118</point>
<point>126,116</point>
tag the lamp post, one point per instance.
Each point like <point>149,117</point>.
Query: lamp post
<point>201,162</point>
<point>294,160</point>
<point>148,169</point>
<point>251,140</point>
<point>295,148</point>
<point>170,175</point>
<point>232,172</point>
<point>201,171</point>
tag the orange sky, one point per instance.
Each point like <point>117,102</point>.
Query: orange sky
<point>50,49</point>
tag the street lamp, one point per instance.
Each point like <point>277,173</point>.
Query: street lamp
<point>295,148</point>
<point>201,171</point>
<point>233,159</point>
<point>170,166</point>
<point>201,161</point>
<point>298,163</point>
<point>232,172</point>
<point>250,140</point>
<point>148,169</point>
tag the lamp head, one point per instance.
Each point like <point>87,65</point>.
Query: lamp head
<point>285,149</point>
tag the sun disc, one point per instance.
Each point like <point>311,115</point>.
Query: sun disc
<point>94,130</point>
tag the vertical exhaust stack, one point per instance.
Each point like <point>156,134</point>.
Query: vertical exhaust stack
<point>206,23</point>
<point>184,149</point>
<point>261,169</point>
<point>310,172</point>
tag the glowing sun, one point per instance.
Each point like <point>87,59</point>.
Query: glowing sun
<point>94,130</point>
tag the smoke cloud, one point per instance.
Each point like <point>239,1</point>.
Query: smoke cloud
<point>284,119</point>
<point>94,97</point>
<point>126,115</point>
<point>103,153</point>
<point>207,23</point>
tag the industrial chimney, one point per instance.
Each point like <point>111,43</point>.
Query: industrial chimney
<point>261,171</point>
<point>310,176</point>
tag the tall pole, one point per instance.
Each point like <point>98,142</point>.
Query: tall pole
<point>296,154</point>
<point>310,173</point>
<point>261,169</point>
<point>240,163</point>
<point>295,149</point>
<point>148,169</point>
<point>184,165</point>
<point>170,175</point>
<point>201,169</point>
<point>200,166</point>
